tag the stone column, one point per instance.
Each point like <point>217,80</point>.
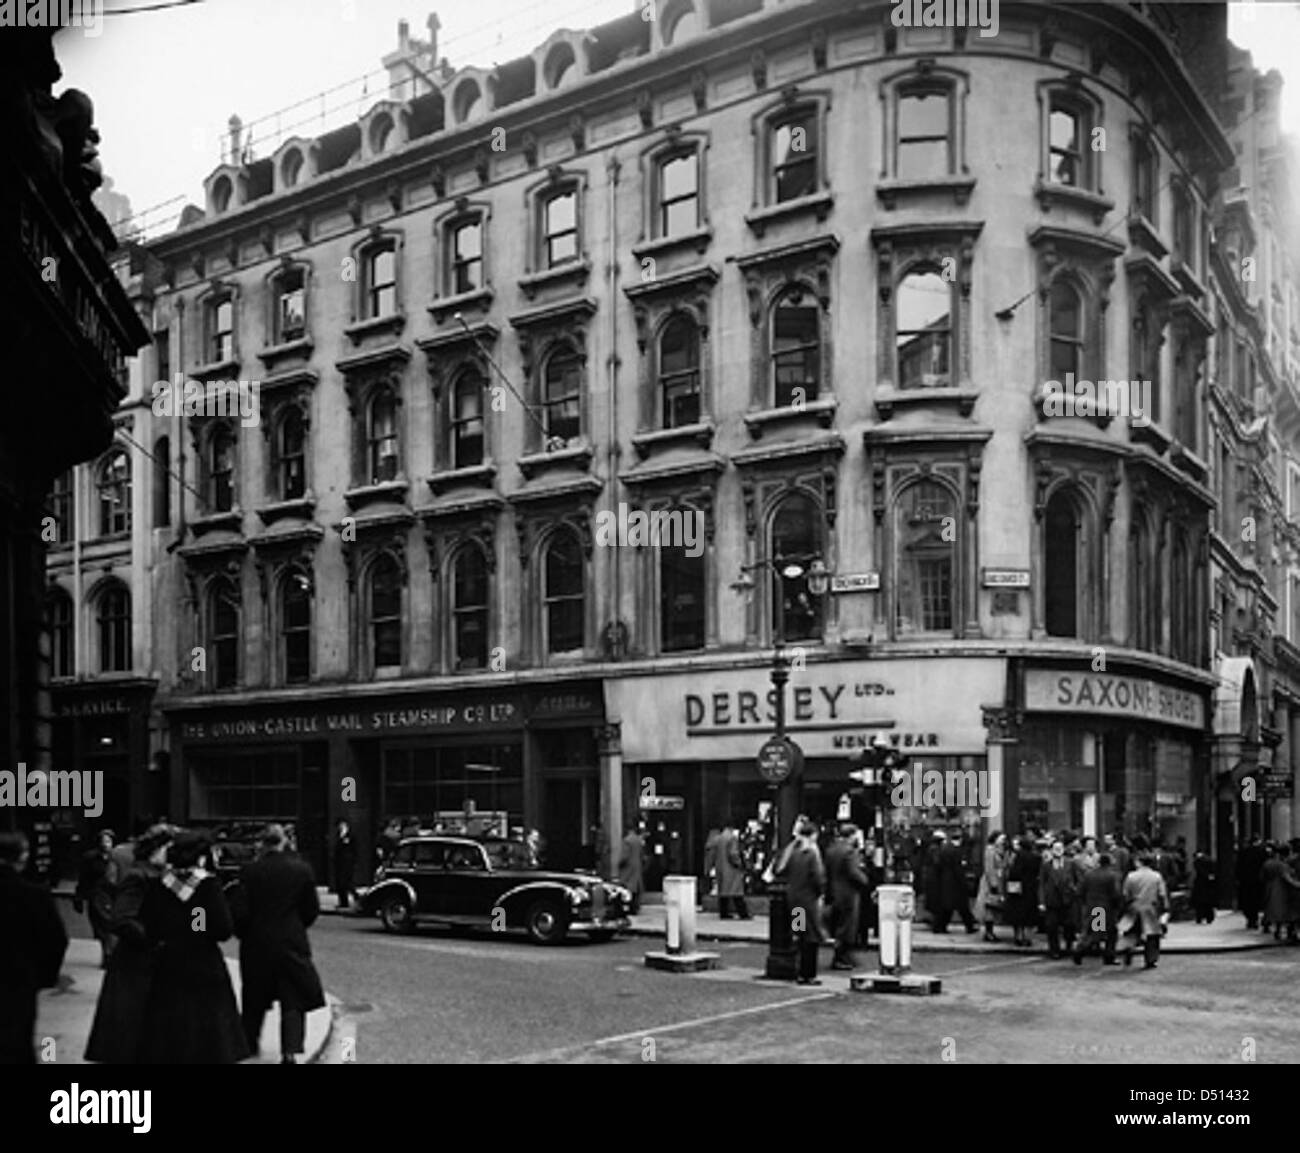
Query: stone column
<point>1003,728</point>
<point>609,747</point>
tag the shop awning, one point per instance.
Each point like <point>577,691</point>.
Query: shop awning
<point>1236,706</point>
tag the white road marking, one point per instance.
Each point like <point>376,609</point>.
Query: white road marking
<point>490,952</point>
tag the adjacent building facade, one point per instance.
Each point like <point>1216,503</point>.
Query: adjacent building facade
<point>812,282</point>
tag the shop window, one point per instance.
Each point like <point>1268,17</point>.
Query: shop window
<point>385,616</point>
<point>796,348</point>
<point>113,611</point>
<point>564,594</point>
<point>677,194</point>
<point>796,540</point>
<point>681,597</point>
<point>221,469</point>
<point>679,372</point>
<point>382,437</point>
<point>437,783</point>
<point>113,480</point>
<point>295,627</point>
<point>1061,567</point>
<point>924,141</point>
<point>924,312</point>
<point>60,507</point>
<point>62,635</point>
<point>469,608</point>
<point>254,787</point>
<point>290,454</point>
<point>925,533</point>
<point>223,634</point>
<point>466,424</point>
<point>562,394</point>
<point>162,482</point>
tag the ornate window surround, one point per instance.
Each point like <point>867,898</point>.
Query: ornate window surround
<point>447,356</point>
<point>205,304</point>
<point>1144,231</point>
<point>764,210</point>
<point>381,537</point>
<point>363,376</point>
<point>276,350</point>
<point>900,250</point>
<point>648,629</point>
<point>464,211</point>
<point>537,275</point>
<point>1089,197</point>
<point>278,506</point>
<point>362,324</point>
<point>542,534</point>
<point>926,74</point>
<point>675,143</point>
<point>444,543</point>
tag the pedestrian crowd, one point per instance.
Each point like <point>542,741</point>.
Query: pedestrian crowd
<point>1268,886</point>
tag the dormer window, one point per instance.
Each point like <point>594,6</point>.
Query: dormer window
<point>381,131</point>
<point>792,154</point>
<point>221,192</point>
<point>291,168</point>
<point>681,23</point>
<point>560,228</point>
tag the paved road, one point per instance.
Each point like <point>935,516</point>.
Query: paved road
<point>438,996</point>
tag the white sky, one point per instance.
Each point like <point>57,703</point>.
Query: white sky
<point>166,82</point>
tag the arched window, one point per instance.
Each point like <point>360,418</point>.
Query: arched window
<point>469,608</point>
<point>681,23</point>
<point>223,634</point>
<point>1065,326</point>
<point>221,469</point>
<point>562,394</point>
<point>924,332</point>
<point>679,372</point>
<point>291,168</point>
<point>114,484</point>
<point>385,612</point>
<point>560,66</point>
<point>682,592</point>
<point>62,636</point>
<point>1061,567</point>
<point>162,482</point>
<point>114,619</point>
<point>295,627</point>
<point>381,129</point>
<point>926,530</point>
<point>796,540</point>
<point>563,594</point>
<point>221,192</point>
<point>796,348</point>
<point>467,448</point>
<point>381,437</point>
<point>291,454</point>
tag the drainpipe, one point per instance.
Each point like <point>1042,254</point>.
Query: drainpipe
<point>610,748</point>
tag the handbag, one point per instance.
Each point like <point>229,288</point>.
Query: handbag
<point>1014,889</point>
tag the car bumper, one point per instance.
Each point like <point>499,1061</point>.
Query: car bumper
<point>603,924</point>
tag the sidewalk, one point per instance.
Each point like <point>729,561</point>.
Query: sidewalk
<point>65,1014</point>
<point>1227,934</point>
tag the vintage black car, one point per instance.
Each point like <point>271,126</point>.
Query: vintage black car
<point>492,882</point>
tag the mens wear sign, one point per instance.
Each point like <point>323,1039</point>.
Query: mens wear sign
<point>1054,691</point>
<point>921,705</point>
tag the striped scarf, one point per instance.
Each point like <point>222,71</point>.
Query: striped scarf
<point>184,883</point>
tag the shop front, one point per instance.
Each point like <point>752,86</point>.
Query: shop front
<point>1113,752</point>
<point>690,743</point>
<point>474,761</point>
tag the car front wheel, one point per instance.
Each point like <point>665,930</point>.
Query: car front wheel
<point>547,922</point>
<point>395,913</point>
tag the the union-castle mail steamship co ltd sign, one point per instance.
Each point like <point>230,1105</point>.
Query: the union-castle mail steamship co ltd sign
<point>1108,694</point>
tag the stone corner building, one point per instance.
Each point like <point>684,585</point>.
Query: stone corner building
<point>67,327</point>
<point>800,272</point>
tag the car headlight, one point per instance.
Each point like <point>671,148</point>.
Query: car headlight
<point>579,896</point>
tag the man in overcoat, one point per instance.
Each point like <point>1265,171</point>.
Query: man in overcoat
<point>630,871</point>
<point>1058,894</point>
<point>274,905</point>
<point>730,864</point>
<point>32,943</point>
<point>1146,897</point>
<point>848,882</point>
<point>801,865</point>
<point>1100,899</point>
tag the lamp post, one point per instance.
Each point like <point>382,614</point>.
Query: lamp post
<point>780,760</point>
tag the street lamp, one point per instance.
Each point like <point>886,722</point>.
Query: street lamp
<point>779,759</point>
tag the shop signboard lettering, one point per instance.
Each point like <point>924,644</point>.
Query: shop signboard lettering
<point>1277,786</point>
<point>1050,690</point>
<point>101,707</point>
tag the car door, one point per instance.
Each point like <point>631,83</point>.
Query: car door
<point>468,881</point>
<point>427,877</point>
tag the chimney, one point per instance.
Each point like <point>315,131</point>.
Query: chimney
<point>236,129</point>
<point>403,35</point>
<point>434,25</point>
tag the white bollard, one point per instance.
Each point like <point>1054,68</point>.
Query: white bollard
<point>679,911</point>
<point>897,906</point>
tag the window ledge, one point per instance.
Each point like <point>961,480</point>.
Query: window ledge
<point>358,330</point>
<point>574,270</point>
<point>818,204</point>
<point>888,399</point>
<point>217,521</point>
<point>890,192</point>
<point>572,657</point>
<point>1050,193</point>
<point>301,507</point>
<point>224,369</point>
<point>1142,234</point>
<point>480,298</point>
<point>699,239</point>
<point>1100,415</point>
<point>475,476</point>
<point>573,456</point>
<point>661,440</point>
<point>822,410</point>
<point>364,494</point>
<point>1185,459</point>
<point>271,356</point>
<point>105,538</point>
<point>1187,278</point>
<point>1151,434</point>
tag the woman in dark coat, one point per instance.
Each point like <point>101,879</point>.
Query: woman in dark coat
<point>345,865</point>
<point>95,888</point>
<point>1022,888</point>
<point>1203,888</point>
<point>191,1016</point>
<point>115,1034</point>
<point>1278,883</point>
